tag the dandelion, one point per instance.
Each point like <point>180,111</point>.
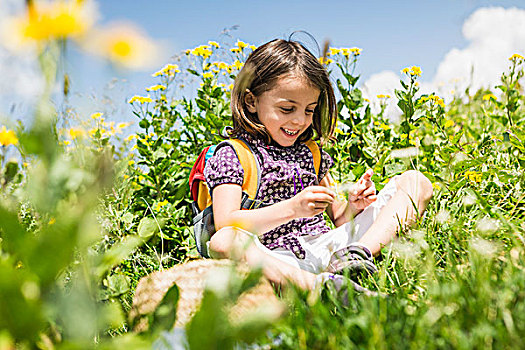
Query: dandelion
<point>405,152</point>
<point>214,44</point>
<point>207,75</point>
<point>156,88</point>
<point>131,162</point>
<point>167,70</point>
<point>253,47</point>
<point>140,99</point>
<point>7,137</point>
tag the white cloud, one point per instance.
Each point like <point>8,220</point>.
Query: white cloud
<point>493,34</point>
<point>382,83</point>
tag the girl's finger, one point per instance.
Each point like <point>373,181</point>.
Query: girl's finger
<point>367,175</point>
<point>369,191</point>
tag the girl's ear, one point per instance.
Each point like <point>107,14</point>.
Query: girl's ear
<point>250,101</point>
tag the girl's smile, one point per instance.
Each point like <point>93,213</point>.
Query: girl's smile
<point>287,109</point>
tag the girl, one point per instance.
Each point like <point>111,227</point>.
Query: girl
<point>282,98</point>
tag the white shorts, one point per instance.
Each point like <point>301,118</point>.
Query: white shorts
<point>319,249</point>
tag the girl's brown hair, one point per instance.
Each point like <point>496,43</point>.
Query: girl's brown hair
<point>261,71</point>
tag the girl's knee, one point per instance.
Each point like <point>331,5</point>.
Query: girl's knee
<point>416,184</point>
<point>226,241</point>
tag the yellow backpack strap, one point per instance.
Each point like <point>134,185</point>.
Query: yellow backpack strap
<point>250,165</point>
<point>316,153</point>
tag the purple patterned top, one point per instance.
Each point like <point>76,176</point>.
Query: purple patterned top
<point>285,171</point>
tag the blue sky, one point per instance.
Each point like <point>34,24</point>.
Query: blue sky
<point>392,34</point>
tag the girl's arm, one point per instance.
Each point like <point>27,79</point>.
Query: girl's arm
<point>360,196</point>
<point>227,201</point>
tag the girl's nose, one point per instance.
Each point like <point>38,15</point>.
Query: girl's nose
<point>299,117</point>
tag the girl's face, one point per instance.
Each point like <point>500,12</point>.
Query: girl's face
<point>286,110</point>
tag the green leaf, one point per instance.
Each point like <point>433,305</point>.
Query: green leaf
<point>116,254</point>
<point>165,314</point>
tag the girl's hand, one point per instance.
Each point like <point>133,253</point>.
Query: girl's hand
<point>311,201</point>
<point>363,192</point>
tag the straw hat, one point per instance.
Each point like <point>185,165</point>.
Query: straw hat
<point>191,278</point>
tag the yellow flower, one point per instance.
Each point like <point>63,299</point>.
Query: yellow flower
<point>333,51</point>
<point>50,21</point>
<point>325,61</point>
<point>159,205</point>
<point>130,138</point>
<point>237,64</point>
<point>438,100</point>
<point>75,132</point>
<point>253,47</point>
<point>516,57</point>
<point>356,51</point>
<point>412,71</point>
<point>156,87</point>
<point>131,162</point>
<point>123,125</point>
<point>202,51</point>
<point>473,176</point>
<point>489,97</point>
<point>207,75</point>
<point>241,45</point>
<point>51,221</point>
<point>140,99</point>
<point>235,50</point>
<point>67,142</point>
<point>96,115</point>
<point>168,70</point>
<point>384,126</point>
<point>436,186</point>
<point>214,44</point>
<point>449,123</point>
<point>7,137</point>
<point>125,45</point>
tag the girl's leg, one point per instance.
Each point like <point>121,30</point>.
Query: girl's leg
<point>236,244</point>
<point>413,188</point>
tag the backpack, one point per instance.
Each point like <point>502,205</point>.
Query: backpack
<point>203,223</point>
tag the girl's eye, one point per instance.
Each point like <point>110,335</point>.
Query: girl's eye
<point>287,109</point>
<point>309,111</point>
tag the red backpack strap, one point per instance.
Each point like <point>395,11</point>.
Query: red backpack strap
<point>197,173</point>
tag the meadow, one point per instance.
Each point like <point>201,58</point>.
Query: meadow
<point>88,208</point>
